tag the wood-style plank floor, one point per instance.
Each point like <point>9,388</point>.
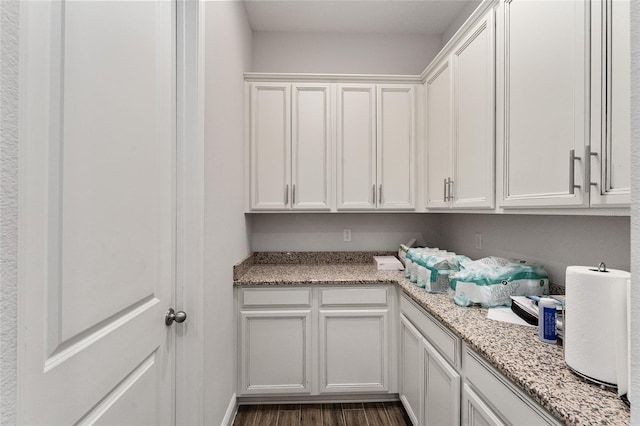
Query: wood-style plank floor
<point>352,414</point>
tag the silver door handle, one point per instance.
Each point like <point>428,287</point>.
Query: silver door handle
<point>445,196</point>
<point>587,168</point>
<point>373,192</point>
<point>293,195</point>
<point>380,194</point>
<point>172,316</point>
<point>572,171</point>
<point>286,195</point>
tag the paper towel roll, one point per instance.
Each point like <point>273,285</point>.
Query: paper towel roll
<point>595,333</point>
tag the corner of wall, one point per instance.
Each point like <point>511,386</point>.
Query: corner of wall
<point>635,211</point>
<point>9,148</point>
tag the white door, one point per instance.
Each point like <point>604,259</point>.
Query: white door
<point>311,147</point>
<point>542,102</point>
<point>98,217</point>
<point>396,147</point>
<point>473,136</point>
<point>438,130</point>
<point>270,146</point>
<point>356,147</point>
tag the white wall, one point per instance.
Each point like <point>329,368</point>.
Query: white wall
<point>323,232</point>
<point>554,241</point>
<point>9,31</point>
<point>460,18</point>
<point>635,209</point>
<point>227,56</point>
<point>343,53</point>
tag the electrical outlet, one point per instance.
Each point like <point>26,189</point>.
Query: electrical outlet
<point>346,235</point>
<point>478,241</point>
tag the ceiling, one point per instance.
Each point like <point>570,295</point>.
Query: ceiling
<point>427,17</point>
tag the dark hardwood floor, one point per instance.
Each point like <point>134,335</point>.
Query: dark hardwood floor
<point>352,414</point>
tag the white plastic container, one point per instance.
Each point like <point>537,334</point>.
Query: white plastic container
<point>547,320</point>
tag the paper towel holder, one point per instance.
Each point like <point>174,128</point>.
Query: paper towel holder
<point>602,267</point>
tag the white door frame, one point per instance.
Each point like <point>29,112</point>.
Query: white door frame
<point>190,214</point>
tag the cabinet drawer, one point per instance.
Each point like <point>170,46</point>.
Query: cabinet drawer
<point>255,297</point>
<point>353,296</point>
<point>511,403</point>
<point>444,341</point>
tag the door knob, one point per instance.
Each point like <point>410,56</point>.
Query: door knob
<point>172,316</point>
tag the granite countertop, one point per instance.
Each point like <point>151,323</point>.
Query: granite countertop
<point>537,368</point>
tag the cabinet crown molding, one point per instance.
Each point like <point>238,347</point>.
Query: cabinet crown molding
<point>253,77</point>
<point>462,32</point>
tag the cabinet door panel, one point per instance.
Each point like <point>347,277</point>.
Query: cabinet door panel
<point>542,106</point>
<point>474,140</point>
<point>475,412</point>
<point>618,176</point>
<point>396,141</point>
<point>442,389</point>
<point>354,350</point>
<point>311,147</point>
<point>270,146</point>
<point>275,352</point>
<point>438,161</point>
<point>411,369</point>
<point>611,128</point>
<point>356,147</point>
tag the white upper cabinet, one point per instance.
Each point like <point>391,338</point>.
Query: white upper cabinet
<point>438,134</point>
<point>270,144</point>
<point>396,147</point>
<point>460,123</point>
<point>356,147</point>
<point>375,159</point>
<point>542,109</point>
<point>290,147</point>
<point>473,155</point>
<point>610,104</point>
<point>311,147</point>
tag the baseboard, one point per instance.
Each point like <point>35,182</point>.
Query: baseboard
<point>316,399</point>
<point>230,414</point>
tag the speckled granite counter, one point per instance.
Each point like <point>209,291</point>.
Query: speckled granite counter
<point>536,367</point>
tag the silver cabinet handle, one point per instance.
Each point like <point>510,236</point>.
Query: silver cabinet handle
<point>373,191</point>
<point>286,195</point>
<point>572,171</point>
<point>446,197</point>
<point>380,194</point>
<point>587,167</point>
<point>293,195</point>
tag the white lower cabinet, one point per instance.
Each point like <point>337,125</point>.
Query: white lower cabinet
<point>442,389</point>
<point>316,340</point>
<point>444,382</point>
<point>429,386</point>
<point>491,398</point>
<point>354,347</point>
<point>475,412</point>
<point>275,348</point>
<point>411,366</point>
